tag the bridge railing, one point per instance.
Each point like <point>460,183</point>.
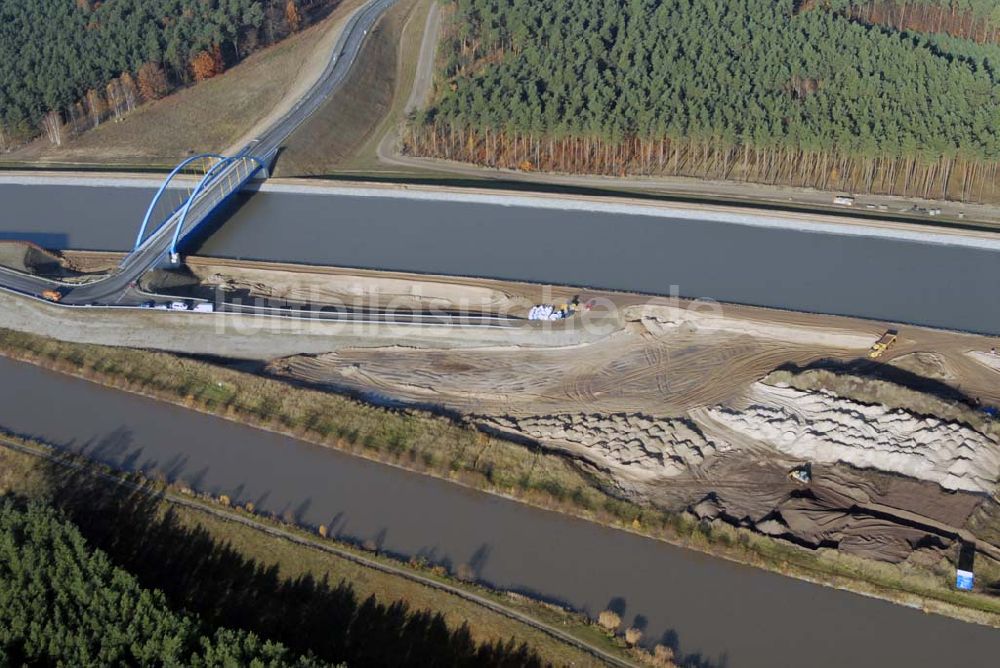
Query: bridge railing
<point>220,178</point>
<point>221,182</point>
<point>203,163</point>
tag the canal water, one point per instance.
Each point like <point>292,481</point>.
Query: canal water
<point>909,281</point>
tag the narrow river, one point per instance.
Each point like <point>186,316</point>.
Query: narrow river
<point>727,615</point>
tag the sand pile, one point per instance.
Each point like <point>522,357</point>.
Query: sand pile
<point>28,258</point>
<point>661,320</point>
<point>358,290</point>
<point>637,443</point>
<point>822,427</point>
<point>990,359</point>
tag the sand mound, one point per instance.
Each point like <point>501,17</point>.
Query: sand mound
<point>28,258</point>
<point>662,319</point>
<point>992,360</point>
<point>639,444</point>
<point>360,290</point>
<point>822,427</point>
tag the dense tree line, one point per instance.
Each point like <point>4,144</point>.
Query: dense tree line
<point>78,62</point>
<point>315,617</point>
<point>64,603</point>
<point>739,89</point>
<point>978,20</point>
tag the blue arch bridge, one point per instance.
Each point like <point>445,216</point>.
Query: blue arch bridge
<point>188,196</point>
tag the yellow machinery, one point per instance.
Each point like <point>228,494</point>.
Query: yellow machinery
<point>879,347</point>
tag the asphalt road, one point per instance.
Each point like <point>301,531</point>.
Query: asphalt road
<point>115,288</point>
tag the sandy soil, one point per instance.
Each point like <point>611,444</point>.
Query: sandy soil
<point>28,258</point>
<point>662,394</point>
<point>633,370</point>
<point>643,404</point>
<point>819,426</point>
<point>356,288</point>
<point>25,257</point>
<point>988,359</point>
<point>245,336</point>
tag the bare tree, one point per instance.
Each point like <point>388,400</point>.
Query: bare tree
<point>116,99</point>
<point>77,118</point>
<point>129,91</point>
<point>96,107</point>
<point>52,123</point>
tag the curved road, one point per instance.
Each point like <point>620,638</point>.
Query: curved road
<point>115,288</point>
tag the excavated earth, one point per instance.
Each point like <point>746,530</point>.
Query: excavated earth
<point>29,258</point>
<point>689,406</point>
<point>672,405</point>
<point>823,427</point>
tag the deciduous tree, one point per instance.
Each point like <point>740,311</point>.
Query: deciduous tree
<point>203,66</point>
<point>153,82</point>
<point>96,107</point>
<point>293,16</point>
<point>52,123</point>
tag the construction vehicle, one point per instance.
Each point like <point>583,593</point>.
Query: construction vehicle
<point>554,311</point>
<point>879,347</point>
<point>549,312</point>
<point>52,295</point>
<point>801,474</point>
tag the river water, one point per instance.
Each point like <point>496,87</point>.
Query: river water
<point>722,613</point>
<point>908,281</point>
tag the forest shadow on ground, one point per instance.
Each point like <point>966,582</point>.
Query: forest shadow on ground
<point>201,575</point>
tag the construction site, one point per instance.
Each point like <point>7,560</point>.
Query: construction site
<point>874,439</point>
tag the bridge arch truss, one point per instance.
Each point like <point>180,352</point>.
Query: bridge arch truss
<point>234,171</point>
<point>205,161</point>
<point>218,178</point>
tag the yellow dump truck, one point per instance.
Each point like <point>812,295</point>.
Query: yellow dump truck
<point>879,347</point>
